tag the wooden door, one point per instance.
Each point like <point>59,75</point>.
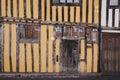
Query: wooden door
<point>70,56</point>
<point>110,57</point>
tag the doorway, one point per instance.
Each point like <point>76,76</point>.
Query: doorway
<point>70,56</point>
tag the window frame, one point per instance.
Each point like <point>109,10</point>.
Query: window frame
<point>31,39</point>
<point>66,3</point>
<point>114,6</point>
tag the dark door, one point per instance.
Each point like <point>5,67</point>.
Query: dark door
<point>70,56</point>
<point>110,57</point>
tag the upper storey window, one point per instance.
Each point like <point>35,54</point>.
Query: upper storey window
<point>66,2</point>
<point>114,3</point>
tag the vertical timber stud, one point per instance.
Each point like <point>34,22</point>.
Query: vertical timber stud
<point>62,13</point>
<point>47,30</point>
<point>39,9</point>
<point>25,57</point>
<point>1,46</point>
<point>17,48</point>
<point>81,11</point>
<point>6,4</point>
<point>17,8</point>
<point>39,33</point>
<point>11,8</point>
<point>93,11</point>
<point>107,13</point>
<point>32,56</point>
<point>31,7</point>
<point>45,7</point>
<point>85,50</point>
<point>10,56</point>
<point>113,17</point>
<point>24,8</point>
<point>51,10</point>
<point>0,9</point>
<point>68,13</point>
<point>74,13</point>
<point>99,39</point>
<point>87,11</point>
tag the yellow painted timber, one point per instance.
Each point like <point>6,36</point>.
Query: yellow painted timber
<point>95,57</point>
<point>28,9</point>
<point>60,13</point>
<point>35,9</point>
<point>66,13</point>
<point>43,9</point>
<point>9,8</point>
<point>71,14</point>
<point>90,11</point>
<point>96,12</point>
<point>36,58</point>
<point>83,11</point>
<point>6,48</point>
<point>13,46</point>
<point>29,57</point>
<point>50,50</point>
<point>21,9</point>
<point>89,58</point>
<point>22,58</point>
<point>48,9</point>
<point>77,14</point>
<point>54,13</point>
<point>43,48</point>
<point>58,53</point>
<point>3,7</point>
<point>15,8</point>
<point>82,64</point>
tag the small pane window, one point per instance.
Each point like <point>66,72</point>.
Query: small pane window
<point>62,1</point>
<point>29,32</point>
<point>69,1</point>
<point>113,2</point>
<point>66,2</point>
<point>76,1</point>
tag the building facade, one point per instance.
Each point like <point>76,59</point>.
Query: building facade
<point>54,35</point>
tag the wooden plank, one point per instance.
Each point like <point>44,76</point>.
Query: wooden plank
<point>48,10</point>
<point>36,58</point>
<point>60,13</point>
<point>58,54</point>
<point>89,59</point>
<point>83,11</point>
<point>21,9</point>
<point>28,9</point>
<point>13,46</point>
<point>22,58</point>
<point>9,8</point>
<point>43,47</point>
<point>6,48</point>
<point>90,11</point>
<point>96,12</point>
<point>35,9</point>
<point>3,8</point>
<point>32,57</point>
<point>50,50</point>
<point>28,57</point>
<point>66,13</point>
<point>77,14</point>
<point>82,64</point>
<point>72,14</point>
<point>95,57</point>
<point>53,13</point>
<point>42,10</point>
<point>15,8</point>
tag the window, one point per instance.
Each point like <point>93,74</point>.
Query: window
<point>114,3</point>
<point>66,2</point>
<point>28,32</point>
